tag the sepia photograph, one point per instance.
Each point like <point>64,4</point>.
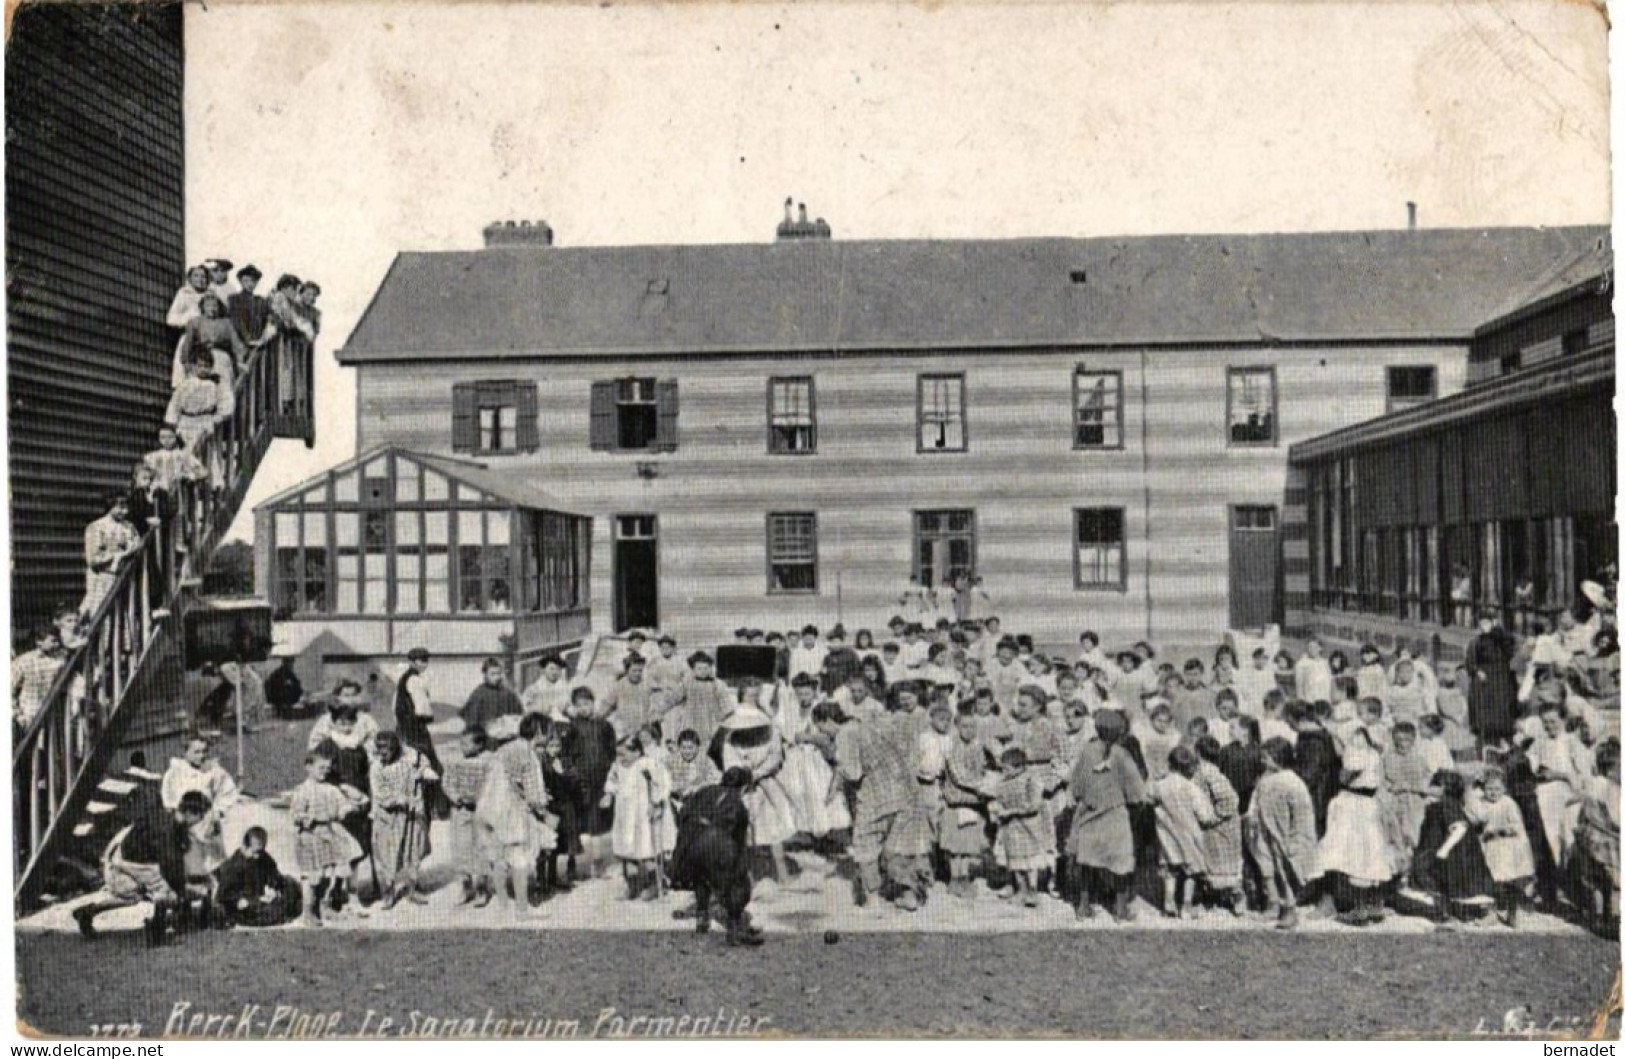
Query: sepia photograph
<point>683,521</point>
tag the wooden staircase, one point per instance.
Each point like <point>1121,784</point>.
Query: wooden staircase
<point>60,759</point>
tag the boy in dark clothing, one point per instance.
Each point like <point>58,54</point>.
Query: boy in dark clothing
<point>283,691</point>
<point>713,855</point>
<point>251,891</point>
<point>148,861</point>
<point>590,753</point>
<point>1318,763</point>
<point>492,699</point>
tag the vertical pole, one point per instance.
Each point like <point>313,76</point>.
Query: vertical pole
<point>242,666</point>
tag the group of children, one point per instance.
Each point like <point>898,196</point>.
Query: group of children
<point>960,755</point>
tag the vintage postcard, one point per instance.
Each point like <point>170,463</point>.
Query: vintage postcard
<point>706,520</point>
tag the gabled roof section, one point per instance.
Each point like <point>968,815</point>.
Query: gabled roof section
<point>504,486</point>
<point>818,296</point>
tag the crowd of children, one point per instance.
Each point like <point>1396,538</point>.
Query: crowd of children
<point>942,758</point>
<point>958,753</point>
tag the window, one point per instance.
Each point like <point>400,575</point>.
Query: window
<point>1251,406</point>
<point>1411,386</point>
<point>1098,548</point>
<point>1249,517</point>
<point>792,553</point>
<point>301,563</point>
<point>482,562</point>
<point>494,417</point>
<point>942,413</point>
<point>634,415</point>
<point>792,425</point>
<point>1576,342</point>
<point>1097,401</point>
<point>944,546</point>
<point>1511,362</point>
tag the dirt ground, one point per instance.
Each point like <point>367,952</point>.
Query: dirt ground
<point>1134,984</point>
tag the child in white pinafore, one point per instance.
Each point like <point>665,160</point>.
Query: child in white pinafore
<point>639,788</point>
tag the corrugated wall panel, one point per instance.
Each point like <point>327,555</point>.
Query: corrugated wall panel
<point>94,251</point>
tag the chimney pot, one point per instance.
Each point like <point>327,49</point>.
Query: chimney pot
<point>522,233</point>
<point>1410,216</point>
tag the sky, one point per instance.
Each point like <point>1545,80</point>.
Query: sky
<point>323,139</point>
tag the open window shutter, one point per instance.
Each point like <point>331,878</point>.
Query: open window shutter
<point>465,429</point>
<point>525,400</point>
<point>666,410</point>
<point>601,430</point>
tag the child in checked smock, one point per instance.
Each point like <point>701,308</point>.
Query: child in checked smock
<point>323,850</point>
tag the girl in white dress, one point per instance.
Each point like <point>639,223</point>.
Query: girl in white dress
<point>197,771</point>
<point>1357,842</point>
<point>1507,851</point>
<point>753,743</point>
<point>639,788</point>
<point>816,804</point>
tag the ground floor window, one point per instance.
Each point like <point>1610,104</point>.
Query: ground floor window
<point>1097,548</point>
<point>792,553</point>
<point>944,546</point>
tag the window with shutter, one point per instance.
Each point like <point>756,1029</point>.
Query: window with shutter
<point>465,435</point>
<point>666,411</point>
<point>494,417</point>
<point>602,425</point>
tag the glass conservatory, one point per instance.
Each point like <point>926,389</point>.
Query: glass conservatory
<point>395,546</point>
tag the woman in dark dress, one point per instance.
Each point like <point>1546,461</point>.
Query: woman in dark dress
<point>1492,696</point>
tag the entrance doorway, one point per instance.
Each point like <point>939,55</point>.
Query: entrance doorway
<point>1255,567</point>
<point>637,572</point>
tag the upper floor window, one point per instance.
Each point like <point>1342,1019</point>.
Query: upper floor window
<point>792,421</point>
<point>1409,386</point>
<point>1250,407</point>
<point>493,417</point>
<point>634,415</point>
<point>942,413</point>
<point>1097,402</point>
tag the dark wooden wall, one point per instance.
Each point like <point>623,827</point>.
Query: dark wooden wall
<point>95,183</point>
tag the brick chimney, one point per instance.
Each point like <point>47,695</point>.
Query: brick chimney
<point>518,233</point>
<point>793,228</point>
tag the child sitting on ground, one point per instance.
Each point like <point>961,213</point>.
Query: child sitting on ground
<point>1449,861</point>
<point>251,891</point>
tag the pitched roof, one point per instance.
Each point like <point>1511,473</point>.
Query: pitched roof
<point>507,486</point>
<point>834,295</point>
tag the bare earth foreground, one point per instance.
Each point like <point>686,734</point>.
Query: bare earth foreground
<point>1130,984</point>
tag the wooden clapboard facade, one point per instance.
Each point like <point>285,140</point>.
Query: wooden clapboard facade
<point>94,251</point>
<point>773,434</point>
<point>1500,498</point>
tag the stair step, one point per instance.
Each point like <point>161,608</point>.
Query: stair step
<point>113,786</point>
<point>100,808</point>
<point>83,831</point>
